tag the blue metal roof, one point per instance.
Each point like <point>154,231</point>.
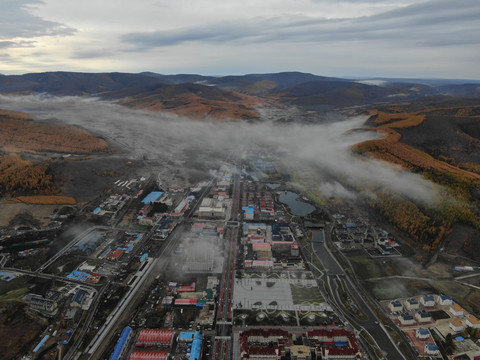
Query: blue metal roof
<point>196,346</point>
<point>153,196</point>
<point>186,335</point>
<point>117,351</point>
<point>40,344</point>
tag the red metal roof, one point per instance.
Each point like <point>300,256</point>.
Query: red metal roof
<point>116,254</point>
<point>148,355</point>
<point>186,302</point>
<point>155,337</point>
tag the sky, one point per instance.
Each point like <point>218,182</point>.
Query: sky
<point>358,38</point>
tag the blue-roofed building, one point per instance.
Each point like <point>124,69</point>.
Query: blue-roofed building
<point>412,304</point>
<point>427,300</point>
<point>444,300</point>
<point>422,334</point>
<point>406,319</point>
<point>144,257</point>
<point>432,349</point>
<point>249,212</point>
<point>120,347</point>
<point>395,306</point>
<point>41,343</point>
<point>196,351</point>
<point>152,197</point>
<point>423,316</point>
<point>186,336</point>
<point>78,298</point>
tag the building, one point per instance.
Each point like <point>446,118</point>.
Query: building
<point>432,349</point>
<point>456,325</point>
<point>423,316</point>
<point>156,337</point>
<point>456,310</point>
<point>149,355</point>
<point>120,348</point>
<point>444,300</point>
<point>335,344</point>
<point>212,208</point>
<point>412,304</point>
<point>153,197</point>
<point>473,322</point>
<point>47,304</point>
<point>262,250</point>
<point>117,254</point>
<point>395,306</point>
<point>249,212</point>
<point>258,264</point>
<point>78,298</point>
<point>406,319</point>
<point>264,344</point>
<point>195,339</point>
<point>427,300</point>
<point>422,334</point>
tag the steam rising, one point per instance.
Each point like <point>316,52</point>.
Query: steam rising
<point>186,149</point>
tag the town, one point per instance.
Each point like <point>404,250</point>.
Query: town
<point>242,266</point>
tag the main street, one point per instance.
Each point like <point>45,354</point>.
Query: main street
<point>224,311</point>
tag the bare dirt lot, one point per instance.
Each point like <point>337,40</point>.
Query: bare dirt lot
<point>40,212</point>
<point>19,330</point>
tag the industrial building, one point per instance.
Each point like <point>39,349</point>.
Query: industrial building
<point>156,337</point>
<point>120,347</point>
<point>149,355</point>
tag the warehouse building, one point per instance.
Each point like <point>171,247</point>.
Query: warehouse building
<point>156,337</point>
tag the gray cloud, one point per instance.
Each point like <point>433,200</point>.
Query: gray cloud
<point>16,21</point>
<point>178,148</point>
<point>433,23</point>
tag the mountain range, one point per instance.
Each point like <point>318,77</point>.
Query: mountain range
<point>233,97</point>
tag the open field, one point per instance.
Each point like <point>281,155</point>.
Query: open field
<point>40,212</point>
<point>365,267</point>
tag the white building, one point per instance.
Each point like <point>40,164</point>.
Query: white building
<point>456,310</point>
<point>473,322</point>
<point>406,319</point>
<point>432,349</point>
<point>395,306</point>
<point>423,316</point>
<point>444,300</point>
<point>412,304</point>
<point>422,334</point>
<point>212,208</point>
<point>456,325</point>
<point>427,300</point>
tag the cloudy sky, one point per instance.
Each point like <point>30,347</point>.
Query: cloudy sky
<point>397,38</point>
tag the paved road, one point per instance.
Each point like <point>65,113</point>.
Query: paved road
<point>334,272</point>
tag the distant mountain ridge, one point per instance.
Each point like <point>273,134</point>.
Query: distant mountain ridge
<point>210,94</point>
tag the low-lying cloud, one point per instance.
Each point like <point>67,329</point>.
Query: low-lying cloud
<point>176,147</point>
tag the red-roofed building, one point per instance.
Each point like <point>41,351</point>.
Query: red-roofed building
<point>155,337</point>
<point>149,355</point>
<point>189,288</point>
<point>183,302</point>
<point>114,256</point>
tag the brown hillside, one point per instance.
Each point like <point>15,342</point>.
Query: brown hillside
<point>421,141</point>
<point>198,102</point>
<point>18,130</point>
